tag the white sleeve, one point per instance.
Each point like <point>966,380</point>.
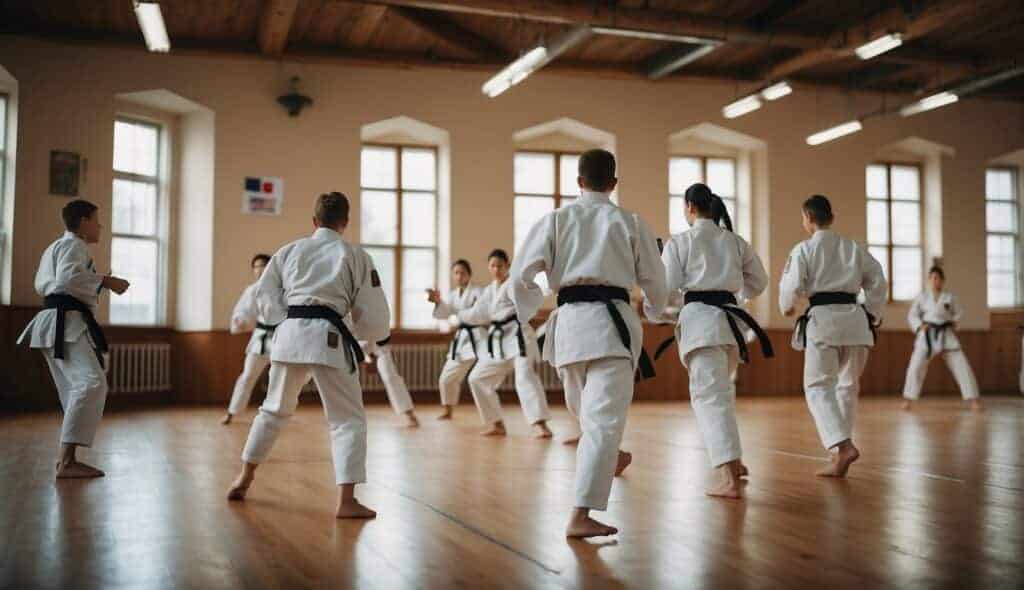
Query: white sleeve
<point>246,313</point>
<point>958,310</point>
<point>536,255</point>
<point>793,284</point>
<point>876,290</point>
<point>914,315</point>
<point>74,275</point>
<point>480,312</point>
<point>650,272</point>
<point>672,262</point>
<point>269,296</point>
<point>755,278</point>
<point>371,316</point>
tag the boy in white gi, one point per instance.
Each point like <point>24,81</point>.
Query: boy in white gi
<point>67,334</point>
<point>246,317</point>
<point>933,317</point>
<point>394,384</point>
<point>834,332</point>
<point>509,345</point>
<point>462,354</point>
<point>308,288</point>
<point>711,265</point>
<point>593,253</point>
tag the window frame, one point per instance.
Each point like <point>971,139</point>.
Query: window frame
<point>889,245</point>
<point>398,247</point>
<point>558,155</point>
<point>1018,278</point>
<point>735,198</point>
<point>4,165</point>
<point>158,237</point>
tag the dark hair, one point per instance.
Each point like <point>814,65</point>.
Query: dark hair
<point>709,204</point>
<point>464,264</point>
<point>74,212</point>
<point>819,210</point>
<point>597,167</point>
<point>331,209</point>
<point>937,270</point>
<point>264,257</point>
<point>499,254</point>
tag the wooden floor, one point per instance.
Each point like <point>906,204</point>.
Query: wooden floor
<point>936,501</point>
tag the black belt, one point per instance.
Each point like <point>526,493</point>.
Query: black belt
<point>609,295</point>
<point>831,298</point>
<point>268,331</point>
<point>64,303</point>
<point>468,329</point>
<point>726,302</point>
<point>498,328</point>
<point>940,334</point>
<point>322,312</point>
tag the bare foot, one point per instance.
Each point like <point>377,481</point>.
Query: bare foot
<point>624,460</point>
<point>907,405</point>
<point>572,441</point>
<point>76,470</point>
<point>841,461</point>
<point>496,429</point>
<point>351,508</point>
<point>226,419</point>
<point>729,484</point>
<point>411,421</point>
<point>240,487</point>
<point>975,405</point>
<point>584,526</point>
<point>541,430</point>
<point>446,414</point>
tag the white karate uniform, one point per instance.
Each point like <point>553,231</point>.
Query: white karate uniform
<point>929,309</point>
<point>709,258</point>
<point>591,242</point>
<point>66,268</point>
<point>245,317</point>
<point>387,370</point>
<point>455,370</point>
<point>838,336</point>
<point>495,304</point>
<point>320,270</point>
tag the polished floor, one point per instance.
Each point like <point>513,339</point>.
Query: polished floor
<point>935,502</point>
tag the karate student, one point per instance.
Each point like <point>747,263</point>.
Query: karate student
<point>246,317</point>
<point>711,265</point>
<point>462,354</point>
<point>509,345</point>
<point>67,334</point>
<point>593,252</point>
<point>394,384</point>
<point>933,317</point>
<point>308,288</point>
<point>835,332</point>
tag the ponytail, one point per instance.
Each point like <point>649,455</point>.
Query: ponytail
<point>709,204</point>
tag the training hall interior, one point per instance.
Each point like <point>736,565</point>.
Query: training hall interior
<point>203,133</point>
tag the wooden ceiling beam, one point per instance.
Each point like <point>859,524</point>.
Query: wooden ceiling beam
<point>445,29</point>
<point>275,24</point>
<point>842,43</point>
<point>627,17</point>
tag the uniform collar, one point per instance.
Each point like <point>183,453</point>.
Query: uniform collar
<point>70,235</point>
<point>704,222</point>
<point>326,233</point>
<point>595,196</point>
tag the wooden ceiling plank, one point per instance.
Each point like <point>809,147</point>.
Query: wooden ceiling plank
<point>275,25</point>
<point>445,29</point>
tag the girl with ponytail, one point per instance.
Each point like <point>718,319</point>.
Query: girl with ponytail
<point>702,203</point>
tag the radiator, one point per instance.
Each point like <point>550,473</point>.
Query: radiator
<point>420,366</point>
<point>143,367</point>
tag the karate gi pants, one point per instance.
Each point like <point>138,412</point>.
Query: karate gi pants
<point>956,360</point>
<point>713,398</point>
<point>343,405</point>
<point>488,374</point>
<point>832,385</point>
<point>251,371</point>
<point>394,384</point>
<point>450,382</point>
<point>82,387</point>
<point>598,394</point>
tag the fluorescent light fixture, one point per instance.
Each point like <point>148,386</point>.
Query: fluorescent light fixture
<point>151,21</point>
<point>777,91</point>
<point>835,132</point>
<point>879,46</point>
<point>535,59</point>
<point>928,103</point>
<point>741,107</point>
<point>655,36</point>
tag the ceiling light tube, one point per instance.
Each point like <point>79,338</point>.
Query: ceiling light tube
<point>655,36</point>
<point>741,107</point>
<point>879,46</point>
<point>835,132</point>
<point>533,60</point>
<point>777,91</point>
<point>151,21</point>
<point>928,103</point>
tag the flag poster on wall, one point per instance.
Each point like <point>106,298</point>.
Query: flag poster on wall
<point>263,195</point>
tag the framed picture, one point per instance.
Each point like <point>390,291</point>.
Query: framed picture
<point>262,195</point>
<point>65,169</point>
